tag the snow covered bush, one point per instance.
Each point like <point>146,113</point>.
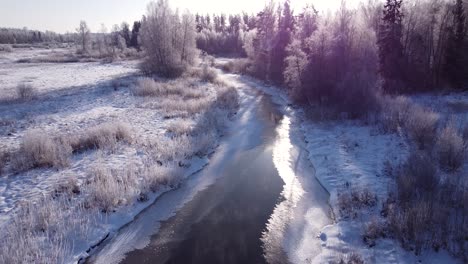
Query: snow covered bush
<point>351,258</point>
<point>450,148</point>
<point>421,126</point>
<point>39,150</point>
<point>147,87</point>
<point>393,112</point>
<point>156,177</point>
<point>6,48</point>
<point>418,177</point>
<point>109,189</point>
<point>227,98</point>
<point>169,40</point>
<point>25,91</point>
<point>373,230</point>
<point>351,200</point>
<point>208,74</point>
<point>180,127</point>
<point>101,136</point>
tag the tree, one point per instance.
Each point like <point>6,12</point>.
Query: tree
<point>283,38</point>
<point>264,41</point>
<point>455,68</point>
<point>125,33</point>
<point>390,47</point>
<point>134,42</point>
<point>296,61</point>
<point>169,41</point>
<point>84,36</point>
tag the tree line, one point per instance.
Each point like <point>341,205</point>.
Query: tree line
<point>394,46</point>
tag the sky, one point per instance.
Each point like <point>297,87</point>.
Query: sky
<point>65,15</point>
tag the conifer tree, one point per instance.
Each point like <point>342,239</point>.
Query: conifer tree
<point>455,68</point>
<point>390,46</point>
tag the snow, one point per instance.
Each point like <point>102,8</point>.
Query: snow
<point>73,97</point>
<point>346,153</point>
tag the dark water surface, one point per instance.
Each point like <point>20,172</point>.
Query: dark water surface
<point>224,223</point>
<point>236,209</point>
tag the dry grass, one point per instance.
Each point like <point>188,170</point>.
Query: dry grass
<point>180,127</point>
<point>373,230</point>
<point>394,112</point>
<point>450,148</point>
<point>350,201</point>
<point>39,150</point>
<point>227,97</point>
<point>25,92</point>
<point>421,126</point>
<point>104,136</point>
<point>206,74</point>
<point>148,87</point>
<point>110,189</point>
<point>156,177</point>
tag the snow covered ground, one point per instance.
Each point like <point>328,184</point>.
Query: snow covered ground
<point>70,99</point>
<point>353,155</point>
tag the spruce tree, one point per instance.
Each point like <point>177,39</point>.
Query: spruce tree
<point>454,67</point>
<point>390,46</point>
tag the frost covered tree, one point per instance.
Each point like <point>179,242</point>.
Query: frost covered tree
<point>296,61</point>
<point>283,38</point>
<point>168,39</point>
<point>84,35</point>
<point>263,43</point>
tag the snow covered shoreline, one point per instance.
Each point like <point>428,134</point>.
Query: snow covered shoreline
<point>57,215</point>
<point>349,154</point>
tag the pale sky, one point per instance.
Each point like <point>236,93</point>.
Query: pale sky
<point>64,15</point>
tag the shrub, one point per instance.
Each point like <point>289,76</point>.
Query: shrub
<point>147,87</point>
<point>180,127</point>
<point>356,94</point>
<point>156,177</point>
<point>39,150</point>
<point>418,177</point>
<point>111,188</point>
<point>393,112</point>
<point>238,66</point>
<point>3,161</point>
<point>372,231</point>
<point>450,148</point>
<point>421,125</point>
<point>6,48</point>
<point>25,91</point>
<point>102,136</point>
<point>465,133</point>
<point>208,74</point>
<point>351,200</point>
<point>351,258</point>
<point>227,98</point>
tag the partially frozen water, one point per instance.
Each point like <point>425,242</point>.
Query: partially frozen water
<point>236,210</point>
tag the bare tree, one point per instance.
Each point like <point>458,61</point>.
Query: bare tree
<point>84,36</point>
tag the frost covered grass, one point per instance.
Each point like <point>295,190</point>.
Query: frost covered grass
<point>102,136</point>
<point>100,178</point>
<point>39,150</point>
<point>450,148</point>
